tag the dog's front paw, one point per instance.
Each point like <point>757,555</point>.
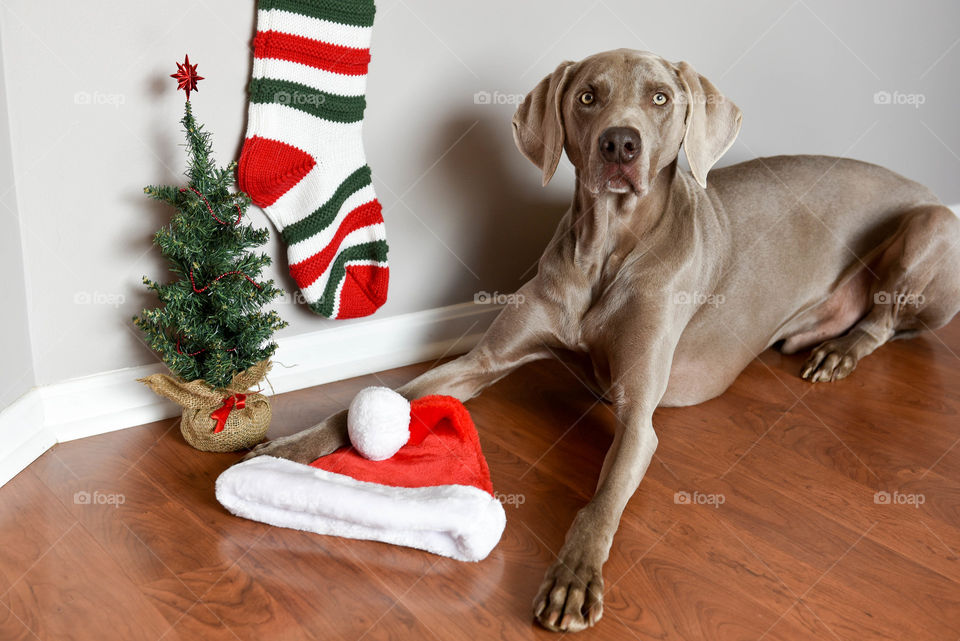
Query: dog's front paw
<point>289,447</point>
<point>308,445</point>
<point>571,595</point>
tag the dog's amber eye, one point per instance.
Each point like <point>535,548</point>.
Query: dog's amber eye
<point>659,98</point>
<point>587,98</point>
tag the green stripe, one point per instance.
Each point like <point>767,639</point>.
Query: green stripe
<point>358,13</point>
<point>308,100</point>
<point>324,215</point>
<point>376,250</point>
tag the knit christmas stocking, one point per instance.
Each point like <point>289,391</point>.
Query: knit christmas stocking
<point>303,159</point>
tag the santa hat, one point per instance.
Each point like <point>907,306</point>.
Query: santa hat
<point>415,476</point>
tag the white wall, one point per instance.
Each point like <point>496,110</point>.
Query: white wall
<point>16,371</point>
<point>464,211</point>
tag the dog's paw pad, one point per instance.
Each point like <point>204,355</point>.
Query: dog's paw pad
<point>569,600</point>
<point>828,362</point>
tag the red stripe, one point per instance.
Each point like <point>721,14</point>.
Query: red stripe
<point>364,290</point>
<point>307,271</point>
<point>313,53</point>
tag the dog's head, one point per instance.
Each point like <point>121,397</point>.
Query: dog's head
<point>621,116</point>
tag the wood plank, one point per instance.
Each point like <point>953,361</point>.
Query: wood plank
<point>799,549</point>
<point>76,591</point>
<point>31,521</point>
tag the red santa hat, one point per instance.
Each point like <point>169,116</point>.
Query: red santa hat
<point>415,476</point>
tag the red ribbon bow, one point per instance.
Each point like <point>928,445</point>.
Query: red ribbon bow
<point>238,401</point>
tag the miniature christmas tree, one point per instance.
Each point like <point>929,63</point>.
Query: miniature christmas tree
<point>211,325</point>
<point>211,329</point>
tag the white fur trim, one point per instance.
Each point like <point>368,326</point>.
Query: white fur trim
<point>378,422</point>
<point>458,521</point>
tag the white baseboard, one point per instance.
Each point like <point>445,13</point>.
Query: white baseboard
<point>24,435</point>
<point>115,400</point>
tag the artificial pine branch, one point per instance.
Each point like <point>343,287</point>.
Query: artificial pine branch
<point>222,329</point>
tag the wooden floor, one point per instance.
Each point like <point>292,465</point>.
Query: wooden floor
<point>798,549</point>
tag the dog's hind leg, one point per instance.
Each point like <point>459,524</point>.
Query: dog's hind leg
<point>914,285</point>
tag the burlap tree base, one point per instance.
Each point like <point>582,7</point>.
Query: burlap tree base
<point>219,420</point>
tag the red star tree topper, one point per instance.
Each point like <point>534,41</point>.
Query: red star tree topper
<point>186,76</point>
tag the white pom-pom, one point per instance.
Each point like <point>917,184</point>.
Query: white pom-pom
<point>378,422</point>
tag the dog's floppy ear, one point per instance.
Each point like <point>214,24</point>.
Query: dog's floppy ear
<point>712,124</point>
<point>538,123</point>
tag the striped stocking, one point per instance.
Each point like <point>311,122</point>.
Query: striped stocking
<point>303,159</point>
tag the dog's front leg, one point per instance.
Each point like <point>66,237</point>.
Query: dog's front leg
<point>571,595</point>
<point>520,333</point>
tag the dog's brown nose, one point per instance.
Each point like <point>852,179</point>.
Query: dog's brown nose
<point>619,144</point>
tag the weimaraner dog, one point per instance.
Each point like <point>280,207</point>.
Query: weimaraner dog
<point>668,286</point>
